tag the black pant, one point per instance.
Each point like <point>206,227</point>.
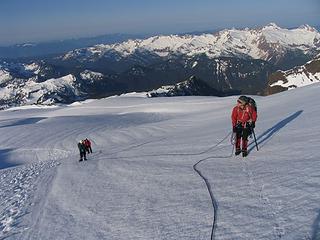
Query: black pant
<point>89,149</point>
<point>83,155</point>
<point>243,132</point>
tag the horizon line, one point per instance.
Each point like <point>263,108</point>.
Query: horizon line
<point>149,34</point>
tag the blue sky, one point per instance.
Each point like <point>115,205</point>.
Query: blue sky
<point>43,20</point>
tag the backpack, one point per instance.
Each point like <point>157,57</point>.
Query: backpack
<point>252,103</point>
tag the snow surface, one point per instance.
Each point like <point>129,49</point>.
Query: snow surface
<point>143,180</point>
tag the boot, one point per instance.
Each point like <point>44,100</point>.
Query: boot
<point>244,148</point>
<point>244,153</point>
<point>238,151</point>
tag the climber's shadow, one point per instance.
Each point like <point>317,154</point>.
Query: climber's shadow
<point>267,135</point>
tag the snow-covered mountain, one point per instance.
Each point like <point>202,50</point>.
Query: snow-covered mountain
<point>40,83</point>
<point>59,47</point>
<point>4,76</point>
<point>224,74</point>
<point>22,70</point>
<point>269,43</point>
<point>161,168</point>
<point>39,69</point>
<point>296,77</point>
<point>90,75</point>
<point>29,91</point>
<point>228,61</point>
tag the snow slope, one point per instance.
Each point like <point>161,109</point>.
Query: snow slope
<point>154,164</point>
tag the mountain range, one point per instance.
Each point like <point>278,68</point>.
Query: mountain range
<point>33,50</point>
<point>229,61</point>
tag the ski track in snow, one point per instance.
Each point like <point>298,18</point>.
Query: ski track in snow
<point>18,184</point>
<point>269,208</point>
<point>211,150</point>
<point>208,185</point>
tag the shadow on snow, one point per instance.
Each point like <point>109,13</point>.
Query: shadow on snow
<point>274,129</point>
<point>20,122</point>
<point>4,159</point>
<point>316,228</point>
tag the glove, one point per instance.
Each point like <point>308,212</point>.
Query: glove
<point>237,127</point>
<point>251,125</point>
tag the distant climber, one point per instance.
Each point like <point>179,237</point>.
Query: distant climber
<point>82,150</point>
<point>244,116</point>
<point>87,143</point>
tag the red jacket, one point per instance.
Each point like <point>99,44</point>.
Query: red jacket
<point>87,143</point>
<point>239,115</point>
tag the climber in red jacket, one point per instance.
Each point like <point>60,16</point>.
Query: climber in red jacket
<point>87,144</point>
<point>243,118</point>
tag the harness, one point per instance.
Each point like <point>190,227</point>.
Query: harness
<point>243,112</point>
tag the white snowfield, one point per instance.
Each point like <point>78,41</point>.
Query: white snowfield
<point>162,168</point>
